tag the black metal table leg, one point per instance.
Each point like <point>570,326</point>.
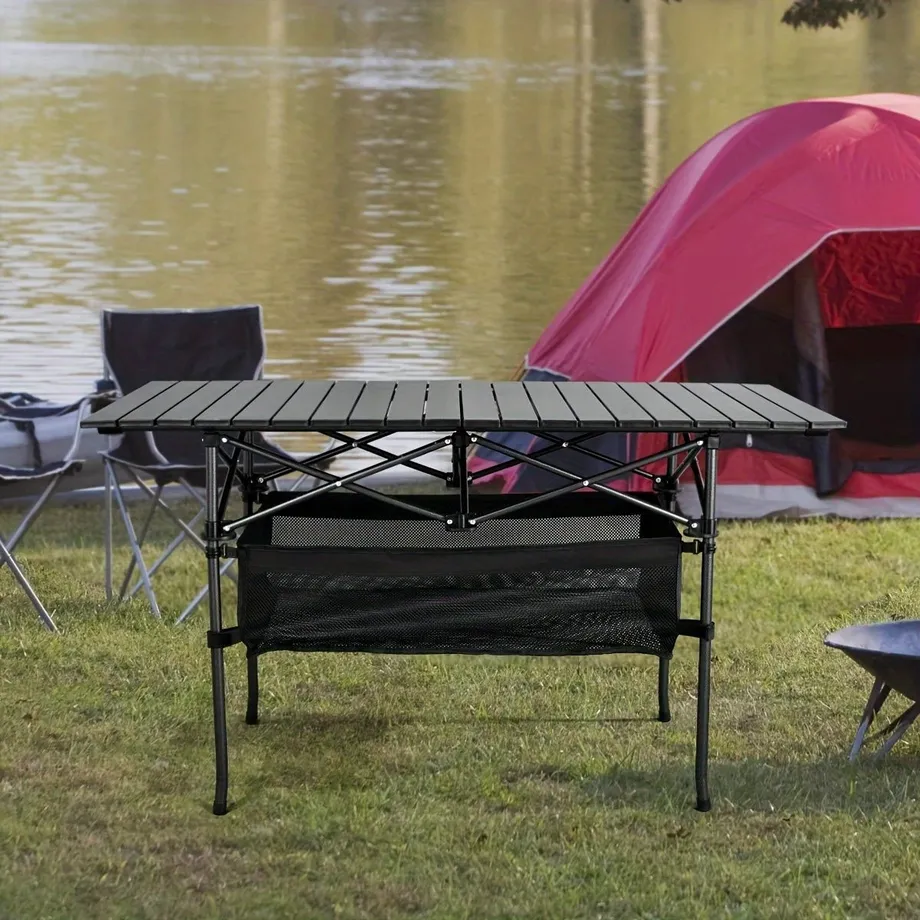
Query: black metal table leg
<point>703,802</point>
<point>664,664</point>
<point>212,549</point>
<point>252,662</point>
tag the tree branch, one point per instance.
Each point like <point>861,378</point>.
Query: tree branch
<point>815,14</point>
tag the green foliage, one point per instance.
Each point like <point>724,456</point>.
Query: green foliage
<point>390,787</point>
<point>816,14</point>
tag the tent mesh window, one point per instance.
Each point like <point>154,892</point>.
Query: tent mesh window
<point>578,575</point>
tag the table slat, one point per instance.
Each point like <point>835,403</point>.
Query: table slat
<point>261,411</point>
<point>778,417</point>
<point>146,416</point>
<point>741,416</point>
<point>370,410</point>
<point>442,408</point>
<point>664,413</point>
<point>337,405</point>
<point>442,405</point>
<point>514,406</point>
<point>627,412</point>
<point>295,414</point>
<point>480,411</point>
<point>704,415</point>
<point>109,415</point>
<point>589,411</point>
<point>183,413</point>
<point>220,413</point>
<point>818,419</point>
<point>408,404</point>
<point>552,409</point>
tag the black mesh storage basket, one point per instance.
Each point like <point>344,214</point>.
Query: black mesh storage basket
<point>580,574</point>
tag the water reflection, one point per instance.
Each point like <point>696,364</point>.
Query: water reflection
<point>411,188</point>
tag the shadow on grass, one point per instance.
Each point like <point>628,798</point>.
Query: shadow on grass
<point>339,752</point>
<point>344,751</point>
<point>827,786</point>
<point>538,720</point>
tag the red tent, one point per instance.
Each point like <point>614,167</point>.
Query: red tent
<point>786,250</point>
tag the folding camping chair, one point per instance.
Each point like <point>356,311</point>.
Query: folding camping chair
<point>138,346</point>
<point>27,470</point>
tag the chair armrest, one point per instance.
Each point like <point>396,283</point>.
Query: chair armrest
<point>99,400</point>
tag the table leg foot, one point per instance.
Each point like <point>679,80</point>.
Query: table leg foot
<point>220,808</point>
<point>252,697</point>
<point>664,708</point>
<point>703,805</point>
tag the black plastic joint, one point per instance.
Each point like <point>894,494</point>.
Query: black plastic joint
<point>665,485</point>
<point>254,491</point>
<point>224,638</point>
<point>700,529</point>
<point>458,521</point>
<point>696,629</point>
<point>211,439</point>
<point>713,440</point>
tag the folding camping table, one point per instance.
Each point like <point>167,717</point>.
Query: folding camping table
<point>583,568</point>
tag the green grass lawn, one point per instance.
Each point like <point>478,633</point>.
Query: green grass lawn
<point>380,787</point>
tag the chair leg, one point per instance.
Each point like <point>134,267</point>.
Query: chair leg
<point>7,557</point>
<point>30,517</point>
<point>202,594</point>
<point>174,544</point>
<point>192,491</point>
<point>187,532</point>
<point>135,549</point>
<point>252,687</point>
<point>108,473</point>
<point>32,514</point>
<point>196,494</point>
<point>140,545</point>
<point>664,709</point>
<point>160,503</point>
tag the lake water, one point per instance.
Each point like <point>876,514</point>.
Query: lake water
<point>410,187</point>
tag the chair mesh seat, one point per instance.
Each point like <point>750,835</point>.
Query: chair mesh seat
<point>345,573</point>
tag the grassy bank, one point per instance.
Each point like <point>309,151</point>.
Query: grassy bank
<point>383,787</point>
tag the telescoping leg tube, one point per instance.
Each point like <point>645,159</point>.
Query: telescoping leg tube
<point>252,661</point>
<point>212,550</point>
<point>703,802</point>
<point>664,663</point>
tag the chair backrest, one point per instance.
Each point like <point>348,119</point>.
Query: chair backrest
<point>223,343</point>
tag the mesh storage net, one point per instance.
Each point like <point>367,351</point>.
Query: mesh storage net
<point>578,575</point>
